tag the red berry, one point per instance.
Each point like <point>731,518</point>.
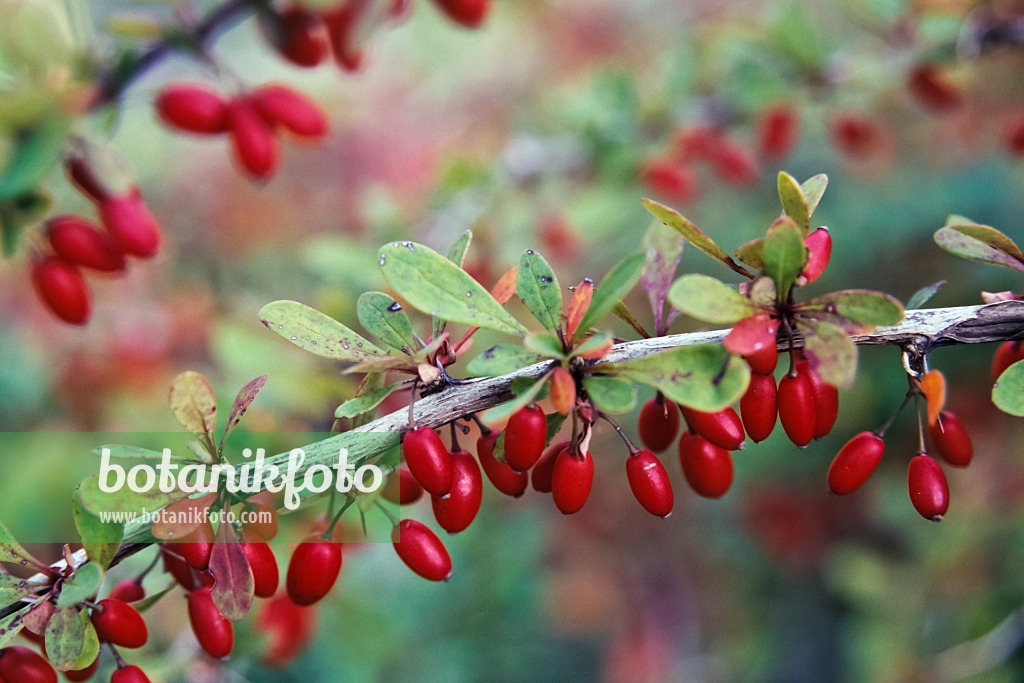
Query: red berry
<point>456,511</point>
<point>700,143</point>
<point>540,477</point>
<point>61,287</point>
<point>951,440</point>
<point>928,489</point>
<point>213,630</point>
<point>1006,355</point>
<point>402,488</point>
<point>571,481</point>
<point>132,225</point>
<point>525,435</point>
<point>669,180</point>
<point>857,136</point>
<point>796,407</point>
<point>854,463</point>
<point>707,467</point>
<point>346,33</point>
<point>819,251</point>
<point>264,568</point>
<point>83,674</point>
<point>193,108</point>
<point>252,138</point>
<point>84,179</point>
<point>722,428</point>
<point>777,131</point>
<point>469,13</point>
<point>736,164</point>
<point>1013,136</point>
<point>826,404</point>
<point>421,550</point>
<point>294,112</point>
<point>927,84</point>
<point>289,627</point>
<point>129,674</point>
<point>176,566</point>
<point>128,590</point>
<point>503,477</point>
<point>119,623</point>
<point>197,547</point>
<point>266,522</point>
<point>313,569</point>
<point>79,242</point>
<point>763,362</point>
<point>758,407</point>
<point>300,38</point>
<point>428,460</point>
<point>650,484</point>
<point>21,665</point>
<point>658,423</point>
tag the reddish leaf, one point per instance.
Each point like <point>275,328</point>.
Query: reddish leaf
<point>190,510</point>
<point>752,334</point>
<point>578,305</point>
<point>233,592</point>
<point>242,402</point>
<point>933,384</point>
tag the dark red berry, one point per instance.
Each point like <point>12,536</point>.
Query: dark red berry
<point>402,488</point>
<point>313,569</point>
<point>951,440</point>
<point>197,547</point>
<point>81,175</point>
<point>176,566</point>
<point>928,85</point>
<point>857,136</point>
<point>699,143</point>
<point>215,633</point>
<point>252,138</point>
<point>503,477</point>
<point>21,665</point>
<point>295,113</point>
<point>421,550</point>
<point>128,590</point>
<point>669,180</point>
<point>722,428</point>
<point>85,673</point>
<point>1006,355</point>
<point>540,477</point>
<point>763,362</point>
<point>758,407</point>
<point>658,423</point>
<point>796,407</point>
<point>929,491</point>
<point>736,164</point>
<point>525,434</point>
<point>289,627</point>
<point>61,287</point>
<point>469,13</point>
<point>854,463</point>
<point>571,481</point>
<point>457,510</point>
<point>132,225</point>
<point>344,30</point>
<point>650,484</point>
<point>300,37</point>
<point>119,623</point>
<point>129,674</point>
<point>707,467</point>
<point>777,131</point>
<point>264,568</point>
<point>428,460</point>
<point>193,108</point>
<point>79,242</point>
<point>826,404</point>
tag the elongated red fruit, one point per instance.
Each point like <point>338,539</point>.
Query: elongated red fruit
<point>571,481</point>
<point>650,483</point>
<point>951,440</point>
<point>313,569</point>
<point>524,437</point>
<point>428,460</point>
<point>929,491</point>
<point>503,477</point>
<point>215,633</point>
<point>421,550</point>
<point>85,673</point>
<point>176,566</point>
<point>826,403</point>
<point>18,663</point>
<point>292,111</point>
<point>658,423</point>
<point>197,547</point>
<point>79,242</point>
<point>707,467</point>
<point>193,108</point>
<point>402,488</point>
<point>764,361</point>
<point>62,289</point>
<point>819,251</point>
<point>736,164</point>
<point>129,674</point>
<point>264,568</point>
<point>128,590</point>
<point>347,31</point>
<point>253,140</point>
<point>854,463</point>
<point>777,131</point>
<point>722,428</point>
<point>669,179</point>
<point>796,407</point>
<point>457,510</point>
<point>300,37</point>
<point>119,623</point>
<point>758,407</point>
<point>132,225</point>
<point>928,85</point>
<point>289,627</point>
<point>469,13</point>
<point>540,476</point>
<point>1006,355</point>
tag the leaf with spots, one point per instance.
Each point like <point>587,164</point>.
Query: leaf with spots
<point>980,243</point>
<point>831,352</point>
<point>313,331</point>
<point>862,306</point>
<point>708,299</point>
<point>611,394</point>
<point>71,640</point>
<point>12,588</point>
<point>539,289</point>
<point>193,402</point>
<point>12,551</point>
<point>384,318</point>
<point>233,592</point>
<point>243,400</point>
<point>11,626</point>
<point>100,539</point>
<point>664,249</point>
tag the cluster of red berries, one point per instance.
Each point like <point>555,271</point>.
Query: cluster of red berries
<point>251,120</point>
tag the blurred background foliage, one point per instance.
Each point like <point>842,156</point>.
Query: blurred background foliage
<point>535,131</point>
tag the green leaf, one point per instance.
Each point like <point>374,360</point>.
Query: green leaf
<point>793,202</point>
<point>311,330</point>
<point>922,295</point>
<point>1008,392</point>
<point>691,234</point>
<point>82,585</point>
<point>458,251</point>
<point>35,154</point>
<point>10,626</point>
<point>246,395</point>
<point>500,412</point>
<point>615,285</point>
<point>704,376</point>
<point>784,255</point>
<point>544,344</point>
<point>501,360</point>
<point>537,286</point>
<point>862,306</point>
<point>752,253</point>
<point>365,402</point>
<point>435,285</point>
<point>384,318</point>
<point>960,243</point>
<point>69,637</point>
<point>10,549</point>
<point>990,236</point>
<point>19,213</point>
<point>812,190</point>
<point>620,311</point>
<point>100,539</point>
<point>95,500</point>
<point>233,592</point>
<point>142,605</point>
<point>193,402</point>
<point>611,394</point>
<point>708,299</point>
<point>831,352</point>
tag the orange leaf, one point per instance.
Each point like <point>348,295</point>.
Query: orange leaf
<point>563,391</point>
<point>502,292</point>
<point>578,305</point>
<point>933,384</point>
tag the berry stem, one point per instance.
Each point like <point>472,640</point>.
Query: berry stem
<point>394,522</point>
<point>633,450</point>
